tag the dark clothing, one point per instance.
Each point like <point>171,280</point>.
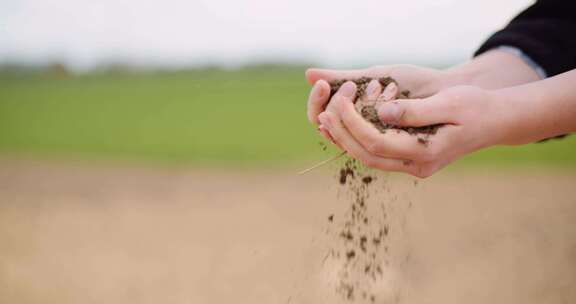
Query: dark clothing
<point>545,32</point>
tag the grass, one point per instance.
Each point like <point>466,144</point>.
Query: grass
<point>212,117</point>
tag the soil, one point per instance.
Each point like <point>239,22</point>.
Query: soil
<point>367,108</point>
<point>360,236</point>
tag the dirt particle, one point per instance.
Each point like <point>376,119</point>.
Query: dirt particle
<point>350,254</point>
<point>363,241</point>
<point>423,141</point>
<point>367,179</point>
<point>347,235</point>
<point>344,174</point>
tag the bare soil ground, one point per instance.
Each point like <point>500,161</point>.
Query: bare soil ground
<point>81,234</point>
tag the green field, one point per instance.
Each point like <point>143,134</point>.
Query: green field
<point>251,116</point>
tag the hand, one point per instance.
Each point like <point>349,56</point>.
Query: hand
<point>472,118</point>
<point>421,82</point>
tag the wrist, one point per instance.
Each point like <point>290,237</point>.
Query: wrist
<point>494,69</point>
<point>518,116</point>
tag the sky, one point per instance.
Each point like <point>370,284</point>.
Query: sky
<point>174,33</point>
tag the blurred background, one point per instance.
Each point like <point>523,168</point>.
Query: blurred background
<point>148,152</point>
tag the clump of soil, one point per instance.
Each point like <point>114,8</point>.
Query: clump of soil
<point>368,108</point>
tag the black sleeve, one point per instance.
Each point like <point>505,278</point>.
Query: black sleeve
<point>545,32</point>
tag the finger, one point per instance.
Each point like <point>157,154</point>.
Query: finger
<point>417,112</point>
<point>394,144</point>
<point>313,75</point>
<point>325,133</point>
<point>354,149</point>
<point>317,100</point>
<point>390,92</point>
<point>373,90</point>
<point>346,91</point>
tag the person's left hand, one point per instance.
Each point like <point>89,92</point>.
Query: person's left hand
<point>472,118</point>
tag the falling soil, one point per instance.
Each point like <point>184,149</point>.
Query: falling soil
<point>360,238</point>
<point>368,108</point>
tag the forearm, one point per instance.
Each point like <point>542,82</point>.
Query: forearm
<point>538,110</point>
<point>492,70</point>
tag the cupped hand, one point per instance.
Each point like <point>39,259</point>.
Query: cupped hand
<point>420,81</point>
<point>472,119</point>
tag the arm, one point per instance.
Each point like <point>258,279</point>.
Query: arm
<point>543,109</point>
<point>491,70</point>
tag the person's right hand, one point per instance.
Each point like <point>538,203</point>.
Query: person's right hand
<point>495,69</point>
<point>471,118</point>
<point>420,81</point>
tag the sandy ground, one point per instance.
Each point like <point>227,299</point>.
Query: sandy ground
<point>85,234</point>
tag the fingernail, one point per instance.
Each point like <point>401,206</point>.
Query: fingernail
<point>348,89</point>
<point>372,89</point>
<point>389,112</point>
<point>390,92</point>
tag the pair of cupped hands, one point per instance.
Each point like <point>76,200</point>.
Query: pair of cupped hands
<point>471,118</point>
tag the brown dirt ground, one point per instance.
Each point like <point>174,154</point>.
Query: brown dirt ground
<point>81,234</point>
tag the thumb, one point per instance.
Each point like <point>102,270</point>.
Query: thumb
<point>416,112</point>
<point>313,74</point>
